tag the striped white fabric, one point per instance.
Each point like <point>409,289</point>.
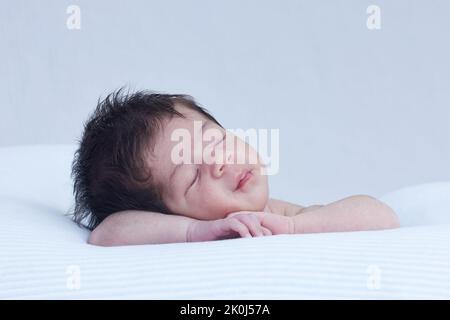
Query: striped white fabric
<point>44,255</point>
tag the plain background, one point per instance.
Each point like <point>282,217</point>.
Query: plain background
<point>359,111</point>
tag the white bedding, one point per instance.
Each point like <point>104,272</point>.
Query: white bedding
<point>42,251</point>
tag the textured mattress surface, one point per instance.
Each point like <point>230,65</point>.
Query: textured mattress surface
<point>43,254</point>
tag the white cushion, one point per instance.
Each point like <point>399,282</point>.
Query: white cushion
<point>422,204</point>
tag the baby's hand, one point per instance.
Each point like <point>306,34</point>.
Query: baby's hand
<point>245,224</point>
<point>277,224</point>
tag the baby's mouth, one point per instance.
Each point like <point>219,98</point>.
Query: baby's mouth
<point>243,179</point>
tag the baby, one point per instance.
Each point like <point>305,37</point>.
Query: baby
<point>130,188</point>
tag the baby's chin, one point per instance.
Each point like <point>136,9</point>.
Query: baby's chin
<point>243,209</point>
<point>251,204</point>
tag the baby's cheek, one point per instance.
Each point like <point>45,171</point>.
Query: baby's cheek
<point>215,201</point>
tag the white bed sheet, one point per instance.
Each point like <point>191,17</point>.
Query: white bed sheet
<point>42,251</point>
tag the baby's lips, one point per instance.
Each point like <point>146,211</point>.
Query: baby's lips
<point>242,176</point>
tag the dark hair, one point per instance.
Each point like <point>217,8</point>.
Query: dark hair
<point>109,170</point>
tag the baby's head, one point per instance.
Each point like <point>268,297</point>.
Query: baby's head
<point>126,161</point>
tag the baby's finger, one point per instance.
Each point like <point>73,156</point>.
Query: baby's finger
<point>234,213</point>
<point>240,228</point>
<point>266,231</point>
<point>252,223</point>
<point>255,229</point>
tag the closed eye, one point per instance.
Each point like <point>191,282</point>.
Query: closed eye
<point>197,174</point>
<point>221,139</point>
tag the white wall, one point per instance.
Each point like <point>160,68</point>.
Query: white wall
<point>359,111</point>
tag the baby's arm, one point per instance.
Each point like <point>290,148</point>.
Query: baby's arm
<point>355,213</point>
<point>144,227</point>
<point>286,208</point>
<point>140,227</point>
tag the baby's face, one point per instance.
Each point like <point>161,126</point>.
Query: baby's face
<point>211,189</point>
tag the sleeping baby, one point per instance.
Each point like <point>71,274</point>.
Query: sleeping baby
<point>136,183</point>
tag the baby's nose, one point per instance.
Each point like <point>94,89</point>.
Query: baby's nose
<point>218,170</point>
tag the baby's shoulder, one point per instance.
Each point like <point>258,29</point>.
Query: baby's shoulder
<point>282,207</point>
